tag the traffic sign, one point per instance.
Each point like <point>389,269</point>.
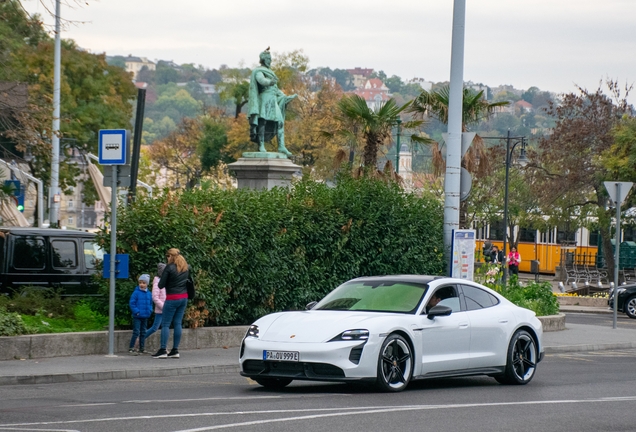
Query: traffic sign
<point>113,146</point>
<point>618,191</point>
<point>123,176</point>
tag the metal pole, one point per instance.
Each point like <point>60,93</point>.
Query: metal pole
<point>616,251</point>
<point>113,252</point>
<point>134,162</point>
<point>454,143</point>
<point>55,139</point>
<point>505,217</point>
<point>397,152</point>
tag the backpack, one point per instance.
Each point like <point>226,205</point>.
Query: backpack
<point>190,286</point>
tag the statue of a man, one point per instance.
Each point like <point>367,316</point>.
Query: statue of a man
<point>267,105</point>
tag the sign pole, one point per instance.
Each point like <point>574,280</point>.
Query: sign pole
<point>113,253</point>
<point>616,252</point>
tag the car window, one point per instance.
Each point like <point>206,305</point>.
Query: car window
<point>29,253</point>
<point>64,253</point>
<point>476,298</point>
<point>92,254</point>
<point>374,296</point>
<point>445,296</point>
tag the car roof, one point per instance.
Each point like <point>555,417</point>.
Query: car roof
<point>45,232</point>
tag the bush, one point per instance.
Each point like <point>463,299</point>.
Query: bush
<point>11,324</point>
<point>255,252</point>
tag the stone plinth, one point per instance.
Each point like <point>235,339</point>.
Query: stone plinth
<point>263,172</point>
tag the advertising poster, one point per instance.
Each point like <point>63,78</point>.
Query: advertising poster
<point>463,254</point>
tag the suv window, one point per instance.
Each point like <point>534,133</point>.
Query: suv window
<point>92,253</point>
<point>28,253</point>
<point>64,254</point>
<point>477,298</point>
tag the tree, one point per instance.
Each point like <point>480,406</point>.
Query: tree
<point>577,157</point>
<point>474,108</point>
<point>374,125</point>
<point>235,88</point>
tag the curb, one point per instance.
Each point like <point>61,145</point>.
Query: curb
<point>118,374</point>
<point>589,347</point>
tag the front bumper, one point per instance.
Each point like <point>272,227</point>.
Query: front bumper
<point>328,361</point>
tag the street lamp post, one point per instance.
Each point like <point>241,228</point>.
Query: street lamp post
<point>397,150</point>
<point>521,161</point>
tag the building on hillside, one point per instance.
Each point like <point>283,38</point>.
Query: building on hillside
<point>360,76</point>
<point>135,64</point>
<point>208,89</point>
<point>523,106</point>
<point>478,88</point>
<point>426,85</point>
<point>374,92</point>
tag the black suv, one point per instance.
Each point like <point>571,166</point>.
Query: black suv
<point>48,258</point>
<point>626,300</point>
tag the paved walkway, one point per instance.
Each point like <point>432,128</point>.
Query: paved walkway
<point>576,337</point>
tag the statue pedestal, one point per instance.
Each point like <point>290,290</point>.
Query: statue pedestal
<point>263,172</point>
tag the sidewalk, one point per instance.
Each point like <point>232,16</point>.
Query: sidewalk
<point>576,337</point>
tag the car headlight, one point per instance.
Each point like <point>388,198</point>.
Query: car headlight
<point>252,331</point>
<point>352,335</point>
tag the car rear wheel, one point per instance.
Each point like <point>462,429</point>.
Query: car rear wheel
<point>395,364</point>
<point>273,383</point>
<point>521,360</point>
<point>630,307</point>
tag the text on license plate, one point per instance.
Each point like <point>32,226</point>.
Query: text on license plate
<point>281,355</point>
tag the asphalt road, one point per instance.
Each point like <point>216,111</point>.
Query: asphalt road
<point>593,391</point>
<point>622,320</point>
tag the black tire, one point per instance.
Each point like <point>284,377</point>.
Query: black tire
<point>521,361</point>
<point>630,307</point>
<point>274,383</point>
<point>395,364</point>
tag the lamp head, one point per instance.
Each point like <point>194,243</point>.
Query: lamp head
<point>523,159</point>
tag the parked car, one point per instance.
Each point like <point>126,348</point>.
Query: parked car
<point>48,258</point>
<point>392,329</point>
<point>626,300</point>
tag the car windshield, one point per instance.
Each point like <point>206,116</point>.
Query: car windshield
<point>375,296</point>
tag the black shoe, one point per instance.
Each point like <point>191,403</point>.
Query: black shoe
<point>161,354</point>
<point>174,353</point>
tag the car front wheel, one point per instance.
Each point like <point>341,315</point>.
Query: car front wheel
<point>630,307</point>
<point>273,383</point>
<point>521,360</point>
<point>395,364</point>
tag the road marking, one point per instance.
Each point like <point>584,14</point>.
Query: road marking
<point>90,404</point>
<point>234,398</point>
<point>321,412</point>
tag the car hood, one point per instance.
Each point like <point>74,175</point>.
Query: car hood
<point>313,326</point>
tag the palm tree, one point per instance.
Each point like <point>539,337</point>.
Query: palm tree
<point>375,125</point>
<point>474,108</point>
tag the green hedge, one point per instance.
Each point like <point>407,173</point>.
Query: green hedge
<point>258,252</point>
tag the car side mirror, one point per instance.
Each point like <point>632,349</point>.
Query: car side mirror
<point>311,305</point>
<point>439,310</point>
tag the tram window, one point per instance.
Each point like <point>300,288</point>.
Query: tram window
<point>496,230</point>
<point>528,235</point>
<point>629,233</point>
<point>566,236</point>
<point>594,238</point>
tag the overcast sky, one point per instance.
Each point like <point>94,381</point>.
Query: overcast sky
<point>551,44</point>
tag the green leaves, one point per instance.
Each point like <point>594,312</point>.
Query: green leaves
<point>258,252</point>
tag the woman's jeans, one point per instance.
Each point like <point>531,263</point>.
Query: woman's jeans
<point>173,311</point>
<point>155,325</point>
<point>139,331</point>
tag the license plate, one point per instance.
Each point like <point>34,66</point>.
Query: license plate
<point>293,356</point>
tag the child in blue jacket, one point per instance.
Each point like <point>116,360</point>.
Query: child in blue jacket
<point>141,307</point>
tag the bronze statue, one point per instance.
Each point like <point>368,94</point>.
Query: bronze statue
<point>267,106</point>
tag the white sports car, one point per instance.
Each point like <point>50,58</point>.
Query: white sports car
<point>392,329</point>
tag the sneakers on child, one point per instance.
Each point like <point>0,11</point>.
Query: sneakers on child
<point>143,351</point>
<point>132,351</point>
<point>161,354</point>
<point>174,353</point>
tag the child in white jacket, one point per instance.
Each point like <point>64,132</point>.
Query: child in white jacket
<point>158,297</point>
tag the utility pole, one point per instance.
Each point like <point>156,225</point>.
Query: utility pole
<point>54,192</point>
<point>454,143</point>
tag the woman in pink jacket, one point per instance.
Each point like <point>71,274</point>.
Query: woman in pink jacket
<point>158,297</point>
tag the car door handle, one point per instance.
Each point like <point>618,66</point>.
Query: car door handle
<point>463,325</point>
<point>503,321</point>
